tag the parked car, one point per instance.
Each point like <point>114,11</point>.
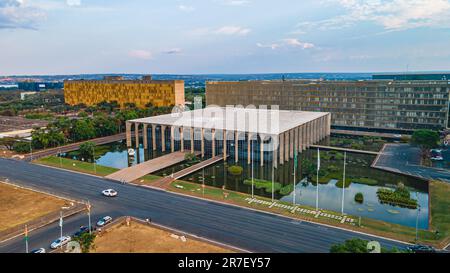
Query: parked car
<point>421,249</point>
<point>83,229</point>
<point>38,250</point>
<point>103,221</point>
<point>60,242</point>
<point>109,193</point>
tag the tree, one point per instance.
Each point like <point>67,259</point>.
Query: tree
<point>8,142</point>
<point>86,241</point>
<point>21,147</point>
<point>104,125</point>
<point>86,150</point>
<point>425,140</point>
<point>83,129</point>
<point>357,245</point>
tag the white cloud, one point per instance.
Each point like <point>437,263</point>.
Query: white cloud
<point>140,54</point>
<point>296,43</point>
<point>232,30</point>
<point>235,2</point>
<point>73,2</point>
<point>390,14</point>
<point>289,42</point>
<point>16,14</point>
<point>172,51</point>
<point>186,8</point>
<point>272,46</point>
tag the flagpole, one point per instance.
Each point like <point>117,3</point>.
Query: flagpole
<point>317,180</point>
<point>295,169</point>
<point>273,177</point>
<point>343,184</point>
<point>251,148</point>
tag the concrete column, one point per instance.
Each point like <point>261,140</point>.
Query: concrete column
<point>154,137</point>
<point>145,136</point>
<point>192,139</point>
<point>213,142</point>
<point>236,146</point>
<point>202,136</point>
<point>249,147</point>
<point>163,138</point>
<point>224,144</point>
<point>329,125</point>
<point>136,134</point>
<point>172,139</point>
<point>300,139</point>
<point>304,137</point>
<point>291,143</point>
<point>182,139</point>
<point>286,146</point>
<point>281,136</point>
<point>261,150</point>
<point>308,134</point>
<point>128,133</point>
<point>296,140</point>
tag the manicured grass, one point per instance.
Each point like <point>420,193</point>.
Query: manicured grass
<point>264,184</point>
<point>365,181</point>
<point>75,165</point>
<point>440,204</point>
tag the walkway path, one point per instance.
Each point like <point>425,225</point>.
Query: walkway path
<point>73,147</point>
<point>165,181</point>
<point>134,172</point>
<point>345,149</point>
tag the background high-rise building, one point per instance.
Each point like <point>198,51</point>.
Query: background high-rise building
<point>378,105</point>
<point>140,92</point>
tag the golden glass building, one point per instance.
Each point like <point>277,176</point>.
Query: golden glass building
<point>140,92</point>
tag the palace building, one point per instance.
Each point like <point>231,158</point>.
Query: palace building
<point>239,133</point>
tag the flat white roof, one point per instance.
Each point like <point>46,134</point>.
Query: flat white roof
<point>261,121</point>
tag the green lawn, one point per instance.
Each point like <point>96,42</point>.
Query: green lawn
<point>440,208</point>
<point>75,165</point>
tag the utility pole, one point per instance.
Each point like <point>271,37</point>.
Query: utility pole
<point>89,215</point>
<point>93,159</point>
<point>26,239</point>
<point>60,159</point>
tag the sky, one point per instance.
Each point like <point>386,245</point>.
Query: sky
<point>41,37</point>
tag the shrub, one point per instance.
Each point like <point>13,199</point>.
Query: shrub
<point>235,170</point>
<point>366,181</point>
<point>263,184</point>
<point>21,147</point>
<point>286,190</point>
<point>347,183</point>
<point>359,198</point>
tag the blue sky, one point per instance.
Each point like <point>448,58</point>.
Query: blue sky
<point>223,36</point>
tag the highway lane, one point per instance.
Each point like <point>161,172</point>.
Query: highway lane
<point>243,228</point>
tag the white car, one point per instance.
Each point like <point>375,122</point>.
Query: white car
<point>39,250</point>
<point>60,242</point>
<point>105,220</point>
<point>109,193</point>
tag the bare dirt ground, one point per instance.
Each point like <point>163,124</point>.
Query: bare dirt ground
<point>18,206</point>
<point>140,238</point>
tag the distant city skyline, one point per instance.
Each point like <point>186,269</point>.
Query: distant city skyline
<point>40,37</point>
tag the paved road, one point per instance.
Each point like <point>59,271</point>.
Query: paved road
<point>405,159</point>
<point>247,229</point>
<point>73,146</point>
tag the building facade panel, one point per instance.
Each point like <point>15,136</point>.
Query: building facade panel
<point>139,92</point>
<point>397,105</point>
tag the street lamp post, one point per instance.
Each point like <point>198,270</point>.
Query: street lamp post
<point>93,159</point>
<point>89,215</point>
